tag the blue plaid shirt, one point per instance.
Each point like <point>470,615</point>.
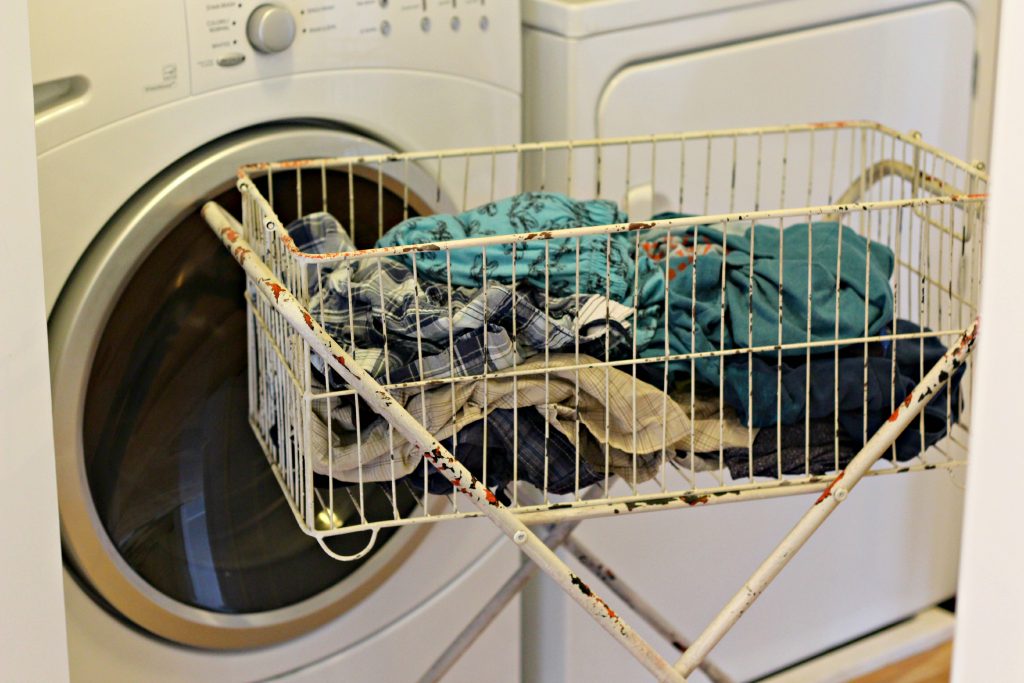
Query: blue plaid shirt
<point>384,316</point>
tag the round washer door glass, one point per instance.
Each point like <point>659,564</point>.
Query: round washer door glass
<point>177,477</point>
<point>178,480</point>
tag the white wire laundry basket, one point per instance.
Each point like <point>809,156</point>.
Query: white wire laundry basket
<point>647,323</point>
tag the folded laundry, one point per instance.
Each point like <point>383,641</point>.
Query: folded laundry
<point>597,264</point>
<point>892,370</point>
<point>794,449</point>
<point>400,329</point>
<point>548,459</point>
<point>573,394</point>
<point>721,287</point>
<point>679,244</point>
<point>516,447</point>
<point>701,289</point>
<point>761,288</point>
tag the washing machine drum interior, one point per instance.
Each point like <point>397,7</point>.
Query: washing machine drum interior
<point>188,505</point>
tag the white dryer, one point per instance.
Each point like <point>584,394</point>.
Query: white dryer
<point>183,561</point>
<point>632,67</point>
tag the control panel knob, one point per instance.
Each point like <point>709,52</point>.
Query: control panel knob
<point>271,28</point>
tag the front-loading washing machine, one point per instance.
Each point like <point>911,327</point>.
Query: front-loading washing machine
<point>607,68</point>
<point>183,561</point>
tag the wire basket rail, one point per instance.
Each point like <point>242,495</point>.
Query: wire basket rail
<point>508,326</point>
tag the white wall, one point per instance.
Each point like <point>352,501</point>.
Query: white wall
<point>987,37</point>
<point>990,605</point>
<point>33,644</point>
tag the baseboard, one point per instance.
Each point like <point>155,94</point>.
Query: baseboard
<point>918,634</point>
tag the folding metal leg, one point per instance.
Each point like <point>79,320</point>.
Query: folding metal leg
<point>383,403</point>
<point>829,500</point>
<point>557,535</point>
<point>512,587</point>
<point>641,606</point>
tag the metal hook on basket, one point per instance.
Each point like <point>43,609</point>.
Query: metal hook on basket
<point>349,558</point>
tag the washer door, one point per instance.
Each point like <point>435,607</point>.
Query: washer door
<point>169,510</point>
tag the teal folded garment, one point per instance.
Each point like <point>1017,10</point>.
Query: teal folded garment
<point>605,261</point>
<point>705,316</point>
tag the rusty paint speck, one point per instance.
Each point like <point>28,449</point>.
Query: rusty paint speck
<point>639,226</point>
<point>275,288</point>
<point>832,124</point>
<point>585,589</point>
<point>828,490</point>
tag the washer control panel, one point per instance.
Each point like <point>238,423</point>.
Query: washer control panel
<point>234,41</point>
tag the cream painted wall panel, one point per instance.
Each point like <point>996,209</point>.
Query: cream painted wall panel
<point>33,644</point>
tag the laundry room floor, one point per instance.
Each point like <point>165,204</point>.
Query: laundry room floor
<point>931,666</point>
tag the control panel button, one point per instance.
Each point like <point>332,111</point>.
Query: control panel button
<point>271,28</point>
<point>230,59</point>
